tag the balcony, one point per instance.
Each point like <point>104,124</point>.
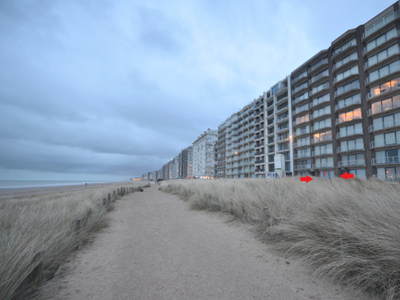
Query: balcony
<point>319,127</point>
<point>318,66</point>
<point>321,139</point>
<point>345,76</point>
<point>300,109</point>
<point>385,160</point>
<point>384,125</point>
<point>302,167</point>
<point>381,23</point>
<point>341,121</point>
<point>345,61</point>
<point>300,88</point>
<point>300,77</point>
<point>372,61</point>
<point>382,74</point>
<point>259,153</point>
<point>323,151</point>
<point>389,37</point>
<point>349,148</point>
<point>300,99</point>
<point>301,144</point>
<point>347,88</point>
<point>317,102</point>
<point>347,104</point>
<point>302,155</point>
<point>319,89</point>
<point>349,134</point>
<point>323,165</point>
<point>304,120</point>
<point>300,132</point>
<point>319,77</point>
<point>345,48</point>
<point>318,114</point>
<point>385,143</point>
<point>388,177</point>
<point>383,108</point>
<point>282,108</point>
<point>281,119</point>
<point>351,163</point>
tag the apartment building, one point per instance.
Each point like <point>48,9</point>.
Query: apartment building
<point>346,102</point>
<point>203,154</point>
<point>185,155</point>
<point>221,151</point>
<point>239,136</point>
<point>273,130</point>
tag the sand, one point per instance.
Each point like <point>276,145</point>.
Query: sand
<point>156,248</point>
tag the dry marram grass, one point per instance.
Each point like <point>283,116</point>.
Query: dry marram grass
<point>346,231</point>
<point>38,233</point>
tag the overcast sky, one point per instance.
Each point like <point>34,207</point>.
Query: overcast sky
<point>110,89</point>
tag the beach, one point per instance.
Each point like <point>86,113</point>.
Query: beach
<point>157,248</point>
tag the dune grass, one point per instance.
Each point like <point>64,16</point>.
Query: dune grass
<point>38,233</point>
<point>346,231</point>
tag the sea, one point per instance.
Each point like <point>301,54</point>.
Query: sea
<point>16,184</point>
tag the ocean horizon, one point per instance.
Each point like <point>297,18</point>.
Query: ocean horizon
<point>16,184</point>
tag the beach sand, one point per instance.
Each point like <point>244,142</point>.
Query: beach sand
<point>157,248</point>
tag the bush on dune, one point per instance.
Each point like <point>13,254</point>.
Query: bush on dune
<point>346,231</point>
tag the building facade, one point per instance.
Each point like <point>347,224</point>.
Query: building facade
<point>203,154</point>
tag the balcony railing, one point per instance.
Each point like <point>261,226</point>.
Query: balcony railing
<point>383,73</point>
<point>340,121</point>
<point>338,79</point>
<point>388,177</point>
<point>385,160</point>
<point>322,165</point>
<point>301,132</point>
<point>345,61</point>
<point>318,127</point>
<point>381,57</point>
<point>348,87</point>
<point>351,102</point>
<point>319,88</point>
<point>299,78</point>
<point>390,36</point>
<point>351,163</point>
<point>380,23</point>
<point>384,125</point>
<point>299,99</point>
<point>300,87</point>
<point>344,47</point>
<point>301,109</point>
<point>349,148</point>
<point>319,76</point>
<point>319,101</point>
<point>318,64</point>
<point>347,134</point>
<point>301,144</point>
<point>321,139</point>
<point>323,151</point>
<point>302,155</point>
<point>384,107</point>
<point>302,167</point>
<point>385,143</point>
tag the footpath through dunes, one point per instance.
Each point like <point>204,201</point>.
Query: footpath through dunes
<point>156,248</point>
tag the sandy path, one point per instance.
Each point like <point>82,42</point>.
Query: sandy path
<point>156,248</point>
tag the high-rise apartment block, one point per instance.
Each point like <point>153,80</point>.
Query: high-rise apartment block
<point>203,154</point>
<point>338,112</point>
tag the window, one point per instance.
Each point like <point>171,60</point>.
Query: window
<point>302,119</point>
<point>387,139</point>
<point>283,146</point>
<point>387,156</point>
<point>324,73</point>
<point>323,149</point>
<point>282,106</point>
<point>322,124</point>
<point>352,56</point>
<point>325,162</point>
<point>322,136</point>
<point>382,39</point>
<point>326,174</point>
<point>353,42</point>
<point>385,87</point>
<point>348,87</point>
<point>385,105</point>
<point>383,55</point>
<point>349,145</point>
<point>356,172</point>
<point>351,130</point>
<point>385,70</point>
<point>349,116</point>
<point>306,152</point>
<point>320,87</point>
<point>275,89</point>
<point>386,121</point>
<point>303,141</point>
<point>347,73</point>
<point>303,130</point>
<point>283,126</point>
<point>380,23</point>
<point>322,111</point>
<point>349,101</point>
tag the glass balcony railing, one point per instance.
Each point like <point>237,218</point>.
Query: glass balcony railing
<point>301,76</point>
<point>302,167</point>
<point>385,160</point>
<point>385,142</point>
<point>346,46</point>
<point>323,165</point>
<point>348,148</point>
<point>319,88</point>
<point>351,102</point>
<point>381,56</point>
<point>383,107</point>
<point>384,125</point>
<point>382,73</point>
<point>380,23</point>
<point>348,87</point>
<point>322,151</point>
<point>302,155</point>
<point>349,133</point>
<point>351,163</point>
<point>318,64</point>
